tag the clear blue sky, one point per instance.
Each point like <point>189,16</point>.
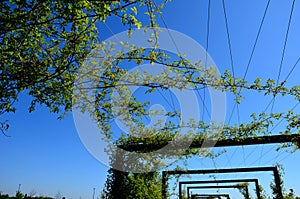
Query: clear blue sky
<point>47,156</point>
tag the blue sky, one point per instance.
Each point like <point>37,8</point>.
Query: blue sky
<point>46,155</point>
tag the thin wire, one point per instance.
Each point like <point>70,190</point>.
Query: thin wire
<point>287,77</point>
<point>207,32</point>
<point>239,122</point>
<point>292,69</point>
<point>269,104</point>
<point>110,30</point>
<point>285,42</point>
<point>272,148</point>
<point>231,114</point>
<point>206,53</point>
<point>284,48</point>
<point>228,37</point>
<point>261,154</point>
<point>285,80</point>
<point>166,100</point>
<point>234,152</point>
<point>286,156</point>
<point>228,161</point>
<point>233,73</point>
<point>294,107</point>
<point>276,157</point>
<point>205,107</point>
<point>169,33</point>
<point>232,63</point>
<point>177,49</point>
<point>171,99</point>
<point>253,49</point>
<point>272,102</point>
<point>256,39</point>
<point>249,154</point>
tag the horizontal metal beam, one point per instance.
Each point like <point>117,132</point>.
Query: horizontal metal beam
<point>217,181</point>
<point>231,170</point>
<point>216,187</point>
<point>195,196</point>
<point>270,139</point>
<point>219,187</point>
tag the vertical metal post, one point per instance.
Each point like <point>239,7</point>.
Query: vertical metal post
<point>180,191</point>
<point>257,189</point>
<point>164,185</point>
<point>247,192</point>
<point>277,182</point>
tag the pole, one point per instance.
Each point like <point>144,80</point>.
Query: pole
<point>94,193</point>
<point>164,185</point>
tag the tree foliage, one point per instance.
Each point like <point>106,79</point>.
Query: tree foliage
<point>132,185</point>
<point>42,44</point>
